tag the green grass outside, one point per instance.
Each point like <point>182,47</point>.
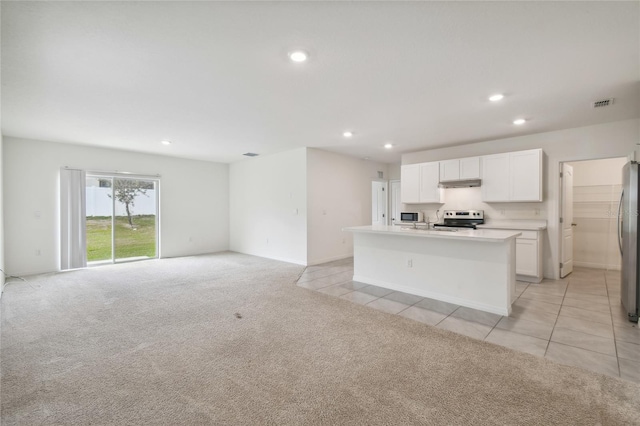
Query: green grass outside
<point>139,241</point>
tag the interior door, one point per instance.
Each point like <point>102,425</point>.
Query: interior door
<point>396,202</point>
<point>378,203</point>
<point>566,266</point>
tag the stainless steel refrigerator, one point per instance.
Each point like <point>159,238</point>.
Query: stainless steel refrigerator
<point>628,240</point>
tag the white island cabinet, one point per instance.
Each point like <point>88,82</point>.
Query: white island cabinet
<point>472,268</point>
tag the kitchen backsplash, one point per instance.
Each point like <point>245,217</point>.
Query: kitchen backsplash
<point>471,198</point>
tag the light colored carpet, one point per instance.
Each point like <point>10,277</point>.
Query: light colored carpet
<point>158,342</point>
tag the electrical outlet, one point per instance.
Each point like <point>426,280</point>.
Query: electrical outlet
<point>190,239</point>
<point>410,263</point>
<point>38,252</point>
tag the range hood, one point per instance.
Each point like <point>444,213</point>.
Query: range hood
<point>468,183</point>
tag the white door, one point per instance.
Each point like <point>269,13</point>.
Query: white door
<point>566,265</point>
<point>378,203</point>
<point>396,202</point>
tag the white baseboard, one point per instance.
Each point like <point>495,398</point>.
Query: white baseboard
<point>528,279</point>
<point>593,265</point>
<point>328,259</point>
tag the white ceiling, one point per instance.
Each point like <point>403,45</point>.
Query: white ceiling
<point>214,77</point>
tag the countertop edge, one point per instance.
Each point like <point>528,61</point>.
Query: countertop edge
<point>513,227</point>
<point>454,236</point>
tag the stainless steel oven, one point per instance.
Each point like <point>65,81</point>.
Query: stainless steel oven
<point>466,219</point>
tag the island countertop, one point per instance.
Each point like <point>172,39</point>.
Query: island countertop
<point>487,235</point>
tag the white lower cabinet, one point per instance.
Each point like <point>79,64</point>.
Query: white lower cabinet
<point>526,257</point>
<point>528,253</point>
<point>529,257</point>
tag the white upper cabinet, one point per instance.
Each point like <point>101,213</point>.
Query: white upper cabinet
<point>526,175</point>
<point>460,169</point>
<point>419,183</point>
<point>449,170</point>
<point>512,176</point>
<point>410,184</point>
<point>495,177</point>
<point>470,168</point>
<point>430,192</point>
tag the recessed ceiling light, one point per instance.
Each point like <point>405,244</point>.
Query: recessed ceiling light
<point>519,121</point>
<point>497,97</point>
<point>347,134</point>
<point>165,142</point>
<point>298,56</point>
<point>388,145</point>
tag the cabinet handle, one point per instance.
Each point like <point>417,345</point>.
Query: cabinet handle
<point>574,224</point>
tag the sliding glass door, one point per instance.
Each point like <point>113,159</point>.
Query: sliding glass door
<point>121,219</point>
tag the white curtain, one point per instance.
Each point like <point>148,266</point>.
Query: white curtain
<point>72,219</point>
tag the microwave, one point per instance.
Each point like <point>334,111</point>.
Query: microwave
<point>411,217</point>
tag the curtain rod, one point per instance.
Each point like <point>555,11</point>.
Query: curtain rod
<point>112,173</point>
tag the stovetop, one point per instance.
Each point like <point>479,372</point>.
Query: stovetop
<point>462,219</point>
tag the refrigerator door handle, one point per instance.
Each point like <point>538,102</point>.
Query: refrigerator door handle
<point>619,220</point>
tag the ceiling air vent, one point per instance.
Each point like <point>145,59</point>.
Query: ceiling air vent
<point>251,154</point>
<point>602,103</point>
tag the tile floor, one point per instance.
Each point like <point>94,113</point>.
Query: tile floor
<point>575,321</point>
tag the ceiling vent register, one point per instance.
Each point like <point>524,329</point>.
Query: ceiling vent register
<point>250,154</point>
<point>603,103</point>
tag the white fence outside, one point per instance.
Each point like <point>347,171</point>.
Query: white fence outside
<point>99,203</point>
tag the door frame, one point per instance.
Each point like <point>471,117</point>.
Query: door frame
<point>558,204</point>
<point>390,201</point>
<point>122,175</point>
<point>562,224</point>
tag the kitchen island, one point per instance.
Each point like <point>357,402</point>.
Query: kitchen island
<point>472,268</point>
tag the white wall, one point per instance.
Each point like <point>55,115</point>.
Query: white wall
<point>194,200</point>
<point>268,206</point>
<point>598,172</point>
<point>608,140</point>
<point>597,186</point>
<point>339,195</point>
<point>394,171</point>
